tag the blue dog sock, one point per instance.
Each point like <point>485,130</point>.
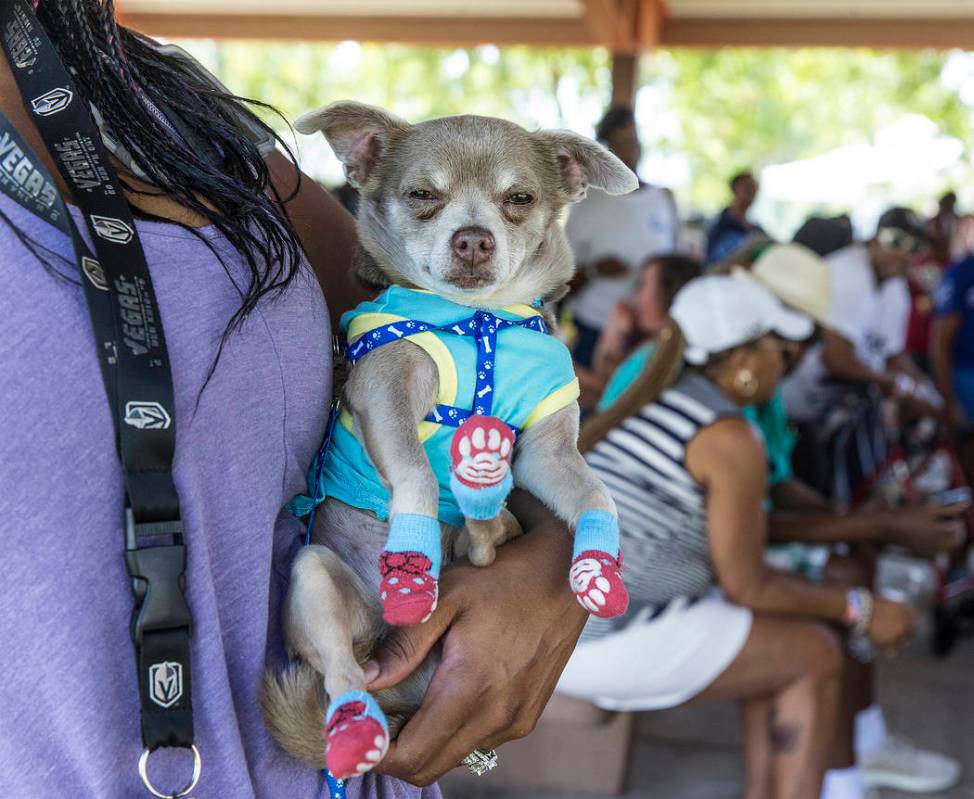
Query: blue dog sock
<point>596,530</point>
<point>481,503</point>
<point>413,532</point>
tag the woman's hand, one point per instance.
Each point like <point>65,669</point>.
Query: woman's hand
<point>621,323</point>
<point>507,632</point>
<point>892,623</point>
<point>927,530</point>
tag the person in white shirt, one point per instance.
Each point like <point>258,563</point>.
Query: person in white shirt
<point>613,237</point>
<point>868,318</point>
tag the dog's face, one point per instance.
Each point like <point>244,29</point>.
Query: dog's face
<point>466,207</point>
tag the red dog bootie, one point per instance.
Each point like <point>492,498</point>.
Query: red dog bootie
<point>596,579</point>
<point>356,733</point>
<point>409,589</point>
<point>480,478</point>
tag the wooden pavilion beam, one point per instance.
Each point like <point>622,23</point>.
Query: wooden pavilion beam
<point>625,78</point>
<point>609,24</point>
<point>564,32</point>
<point>642,24</point>
<point>650,17</point>
<point>932,32</point>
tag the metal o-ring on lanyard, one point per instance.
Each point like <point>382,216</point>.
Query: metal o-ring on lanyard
<point>134,363</point>
<point>144,774</point>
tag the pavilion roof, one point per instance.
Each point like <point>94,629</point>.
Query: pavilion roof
<point>622,25</point>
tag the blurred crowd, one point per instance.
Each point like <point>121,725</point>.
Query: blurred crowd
<point>777,421</point>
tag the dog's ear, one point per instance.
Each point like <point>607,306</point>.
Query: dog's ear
<point>358,133</point>
<point>583,163</point>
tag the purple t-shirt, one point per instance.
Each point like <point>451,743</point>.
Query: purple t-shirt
<point>69,721</point>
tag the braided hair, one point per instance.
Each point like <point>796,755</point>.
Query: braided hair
<point>137,89</point>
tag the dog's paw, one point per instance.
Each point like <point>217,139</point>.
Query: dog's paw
<point>356,741</point>
<point>596,579</point>
<point>481,451</point>
<point>408,591</point>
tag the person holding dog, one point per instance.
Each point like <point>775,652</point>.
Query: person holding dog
<point>227,229</point>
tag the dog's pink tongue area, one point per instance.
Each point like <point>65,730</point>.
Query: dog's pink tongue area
<point>355,747</point>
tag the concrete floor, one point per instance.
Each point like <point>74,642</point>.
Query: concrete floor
<point>692,753</point>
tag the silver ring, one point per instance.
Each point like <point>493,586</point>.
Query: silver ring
<point>480,761</point>
<point>144,774</point>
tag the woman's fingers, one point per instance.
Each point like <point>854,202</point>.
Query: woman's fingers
<point>455,719</point>
<point>404,649</point>
<point>510,632</point>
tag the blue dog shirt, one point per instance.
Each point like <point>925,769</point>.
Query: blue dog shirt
<point>532,378</point>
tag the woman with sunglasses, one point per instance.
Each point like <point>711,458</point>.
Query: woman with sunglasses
<point>708,619</point>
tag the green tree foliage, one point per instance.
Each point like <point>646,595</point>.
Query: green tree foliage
<point>520,83</point>
<point>742,108</point>
<point>715,111</point>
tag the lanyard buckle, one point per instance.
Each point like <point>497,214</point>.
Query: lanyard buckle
<point>158,576</point>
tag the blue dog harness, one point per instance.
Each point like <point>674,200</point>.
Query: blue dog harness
<point>493,357</point>
<point>483,326</point>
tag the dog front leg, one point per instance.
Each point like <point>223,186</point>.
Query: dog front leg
<point>390,392</point>
<point>547,464</point>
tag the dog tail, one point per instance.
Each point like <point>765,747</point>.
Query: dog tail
<point>293,702</point>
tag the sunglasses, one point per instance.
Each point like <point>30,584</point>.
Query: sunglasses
<point>893,238</point>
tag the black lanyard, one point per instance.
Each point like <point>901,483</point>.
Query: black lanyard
<point>131,350</point>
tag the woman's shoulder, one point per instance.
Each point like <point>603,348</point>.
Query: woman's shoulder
<point>727,449</point>
<point>699,400</point>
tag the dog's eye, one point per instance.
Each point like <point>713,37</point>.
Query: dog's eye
<point>421,194</point>
<point>520,198</point>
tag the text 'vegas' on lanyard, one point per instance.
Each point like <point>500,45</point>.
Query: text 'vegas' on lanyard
<point>134,364</point>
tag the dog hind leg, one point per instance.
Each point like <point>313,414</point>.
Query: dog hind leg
<point>327,612</point>
<point>488,536</point>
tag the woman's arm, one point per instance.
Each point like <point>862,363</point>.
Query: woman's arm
<point>785,526</point>
<point>943,334</point>
<point>924,530</point>
<point>327,234</point>
<point>611,348</point>
<point>794,495</point>
<point>840,359</point>
<point>729,461</point>
<point>507,632</point>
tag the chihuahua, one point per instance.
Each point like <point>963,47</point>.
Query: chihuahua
<point>457,391</point>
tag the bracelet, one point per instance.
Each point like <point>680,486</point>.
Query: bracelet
<point>904,385</point>
<point>859,611</point>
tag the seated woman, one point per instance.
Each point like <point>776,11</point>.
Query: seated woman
<point>635,321</point>
<point>708,619</point>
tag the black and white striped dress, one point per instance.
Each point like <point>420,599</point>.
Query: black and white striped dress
<point>662,512</point>
<point>680,633</point>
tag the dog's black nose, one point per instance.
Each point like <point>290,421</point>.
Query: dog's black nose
<point>474,245</point>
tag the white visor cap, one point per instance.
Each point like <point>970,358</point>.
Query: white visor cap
<point>718,313</point>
